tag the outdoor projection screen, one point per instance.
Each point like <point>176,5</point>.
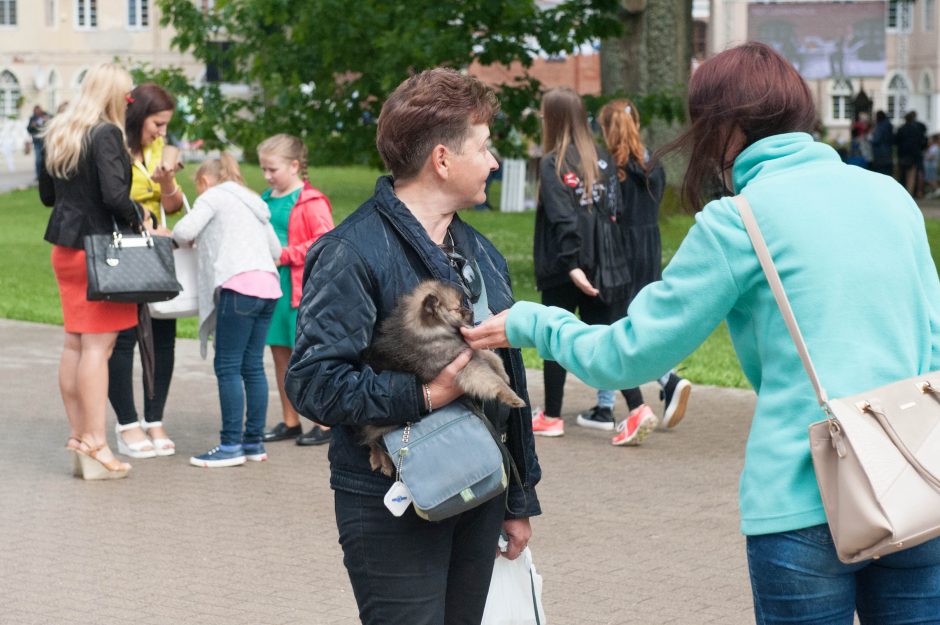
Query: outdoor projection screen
<point>824,39</point>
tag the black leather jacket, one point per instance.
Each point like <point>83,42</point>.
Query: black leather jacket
<point>353,277</point>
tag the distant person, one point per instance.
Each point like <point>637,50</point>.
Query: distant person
<point>37,122</point>
<point>911,141</point>
<point>931,163</point>
<point>237,288</point>
<point>300,214</point>
<point>882,145</point>
<point>642,184</point>
<point>838,234</point>
<point>154,187</point>
<point>86,178</point>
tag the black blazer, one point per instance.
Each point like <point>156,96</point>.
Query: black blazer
<point>98,191</point>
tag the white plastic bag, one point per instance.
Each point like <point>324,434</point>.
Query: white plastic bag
<point>515,596</point>
<point>186,304</point>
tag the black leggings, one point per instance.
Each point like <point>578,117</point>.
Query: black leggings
<point>121,372</point>
<point>592,311</point>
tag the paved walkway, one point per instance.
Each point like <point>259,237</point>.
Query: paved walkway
<point>642,535</point>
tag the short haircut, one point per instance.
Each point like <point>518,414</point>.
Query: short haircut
<point>436,107</point>
<point>148,99</point>
<point>751,88</point>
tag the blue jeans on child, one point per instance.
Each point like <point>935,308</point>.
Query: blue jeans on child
<point>796,578</point>
<point>241,327</point>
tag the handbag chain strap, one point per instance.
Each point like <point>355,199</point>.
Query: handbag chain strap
<point>405,438</point>
<point>776,287</point>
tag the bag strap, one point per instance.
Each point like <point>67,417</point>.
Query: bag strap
<point>185,206</point>
<point>776,287</point>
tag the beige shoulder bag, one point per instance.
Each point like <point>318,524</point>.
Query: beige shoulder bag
<point>877,453</point>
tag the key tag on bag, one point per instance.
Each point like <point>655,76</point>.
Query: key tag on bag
<point>398,497</point>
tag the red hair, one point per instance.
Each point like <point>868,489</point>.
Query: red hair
<point>750,88</point>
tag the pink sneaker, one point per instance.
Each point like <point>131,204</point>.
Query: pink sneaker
<point>635,427</point>
<point>547,426</point>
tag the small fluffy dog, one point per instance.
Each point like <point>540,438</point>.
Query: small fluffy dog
<point>422,336</point>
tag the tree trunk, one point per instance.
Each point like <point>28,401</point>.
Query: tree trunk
<point>655,52</point>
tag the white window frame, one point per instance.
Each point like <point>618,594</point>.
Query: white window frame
<point>86,6</point>
<point>10,93</point>
<point>926,91</point>
<point>7,8</point>
<point>77,80</point>
<point>840,101</point>
<point>138,14</point>
<point>899,17</point>
<point>897,97</point>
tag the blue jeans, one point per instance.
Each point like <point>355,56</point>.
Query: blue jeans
<point>796,578</point>
<point>241,326</point>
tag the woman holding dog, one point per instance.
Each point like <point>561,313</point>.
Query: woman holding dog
<point>433,135</point>
<point>869,313</point>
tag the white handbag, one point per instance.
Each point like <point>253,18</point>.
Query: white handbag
<point>515,595</point>
<point>186,304</point>
<point>877,453</point>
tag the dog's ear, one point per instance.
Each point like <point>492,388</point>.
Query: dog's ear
<point>430,305</point>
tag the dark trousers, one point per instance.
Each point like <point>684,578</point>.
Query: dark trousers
<point>408,570</point>
<point>592,311</point>
<point>121,372</point>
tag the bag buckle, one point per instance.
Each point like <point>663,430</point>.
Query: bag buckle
<point>925,387</point>
<point>835,435</point>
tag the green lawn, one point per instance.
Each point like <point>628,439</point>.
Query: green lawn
<point>30,294</point>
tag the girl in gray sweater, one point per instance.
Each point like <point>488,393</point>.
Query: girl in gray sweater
<point>237,288</point>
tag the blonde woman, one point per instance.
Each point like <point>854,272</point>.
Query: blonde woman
<point>86,179</point>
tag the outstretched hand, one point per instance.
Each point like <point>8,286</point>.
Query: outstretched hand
<point>490,334</point>
<point>443,388</point>
<point>581,281</point>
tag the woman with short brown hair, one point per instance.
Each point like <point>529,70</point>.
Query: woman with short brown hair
<point>433,137</point>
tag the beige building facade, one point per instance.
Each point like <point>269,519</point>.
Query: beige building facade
<point>912,47</point>
<point>46,46</point>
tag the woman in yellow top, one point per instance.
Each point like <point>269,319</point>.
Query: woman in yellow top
<point>148,115</point>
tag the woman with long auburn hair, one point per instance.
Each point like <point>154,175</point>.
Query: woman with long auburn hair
<point>86,179</point>
<point>642,184</point>
<point>854,259</point>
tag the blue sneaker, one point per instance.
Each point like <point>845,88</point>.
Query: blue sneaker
<point>219,457</point>
<point>255,452</point>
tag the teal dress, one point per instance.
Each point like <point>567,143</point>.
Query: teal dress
<point>284,322</point>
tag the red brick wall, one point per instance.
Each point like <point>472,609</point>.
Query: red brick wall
<point>581,72</point>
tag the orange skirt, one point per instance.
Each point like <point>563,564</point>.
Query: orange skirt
<point>80,315</point>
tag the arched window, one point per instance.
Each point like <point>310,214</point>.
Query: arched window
<point>899,92</point>
<point>9,94</point>
<point>841,93</point>
<point>77,81</point>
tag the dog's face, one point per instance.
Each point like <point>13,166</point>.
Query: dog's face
<point>443,306</point>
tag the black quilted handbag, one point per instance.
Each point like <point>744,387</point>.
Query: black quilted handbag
<point>130,268</point>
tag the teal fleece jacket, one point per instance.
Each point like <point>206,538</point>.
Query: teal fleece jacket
<point>852,252</point>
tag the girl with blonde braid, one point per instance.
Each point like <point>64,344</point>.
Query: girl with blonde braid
<point>300,215</point>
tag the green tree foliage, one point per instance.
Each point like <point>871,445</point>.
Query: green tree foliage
<point>321,69</point>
